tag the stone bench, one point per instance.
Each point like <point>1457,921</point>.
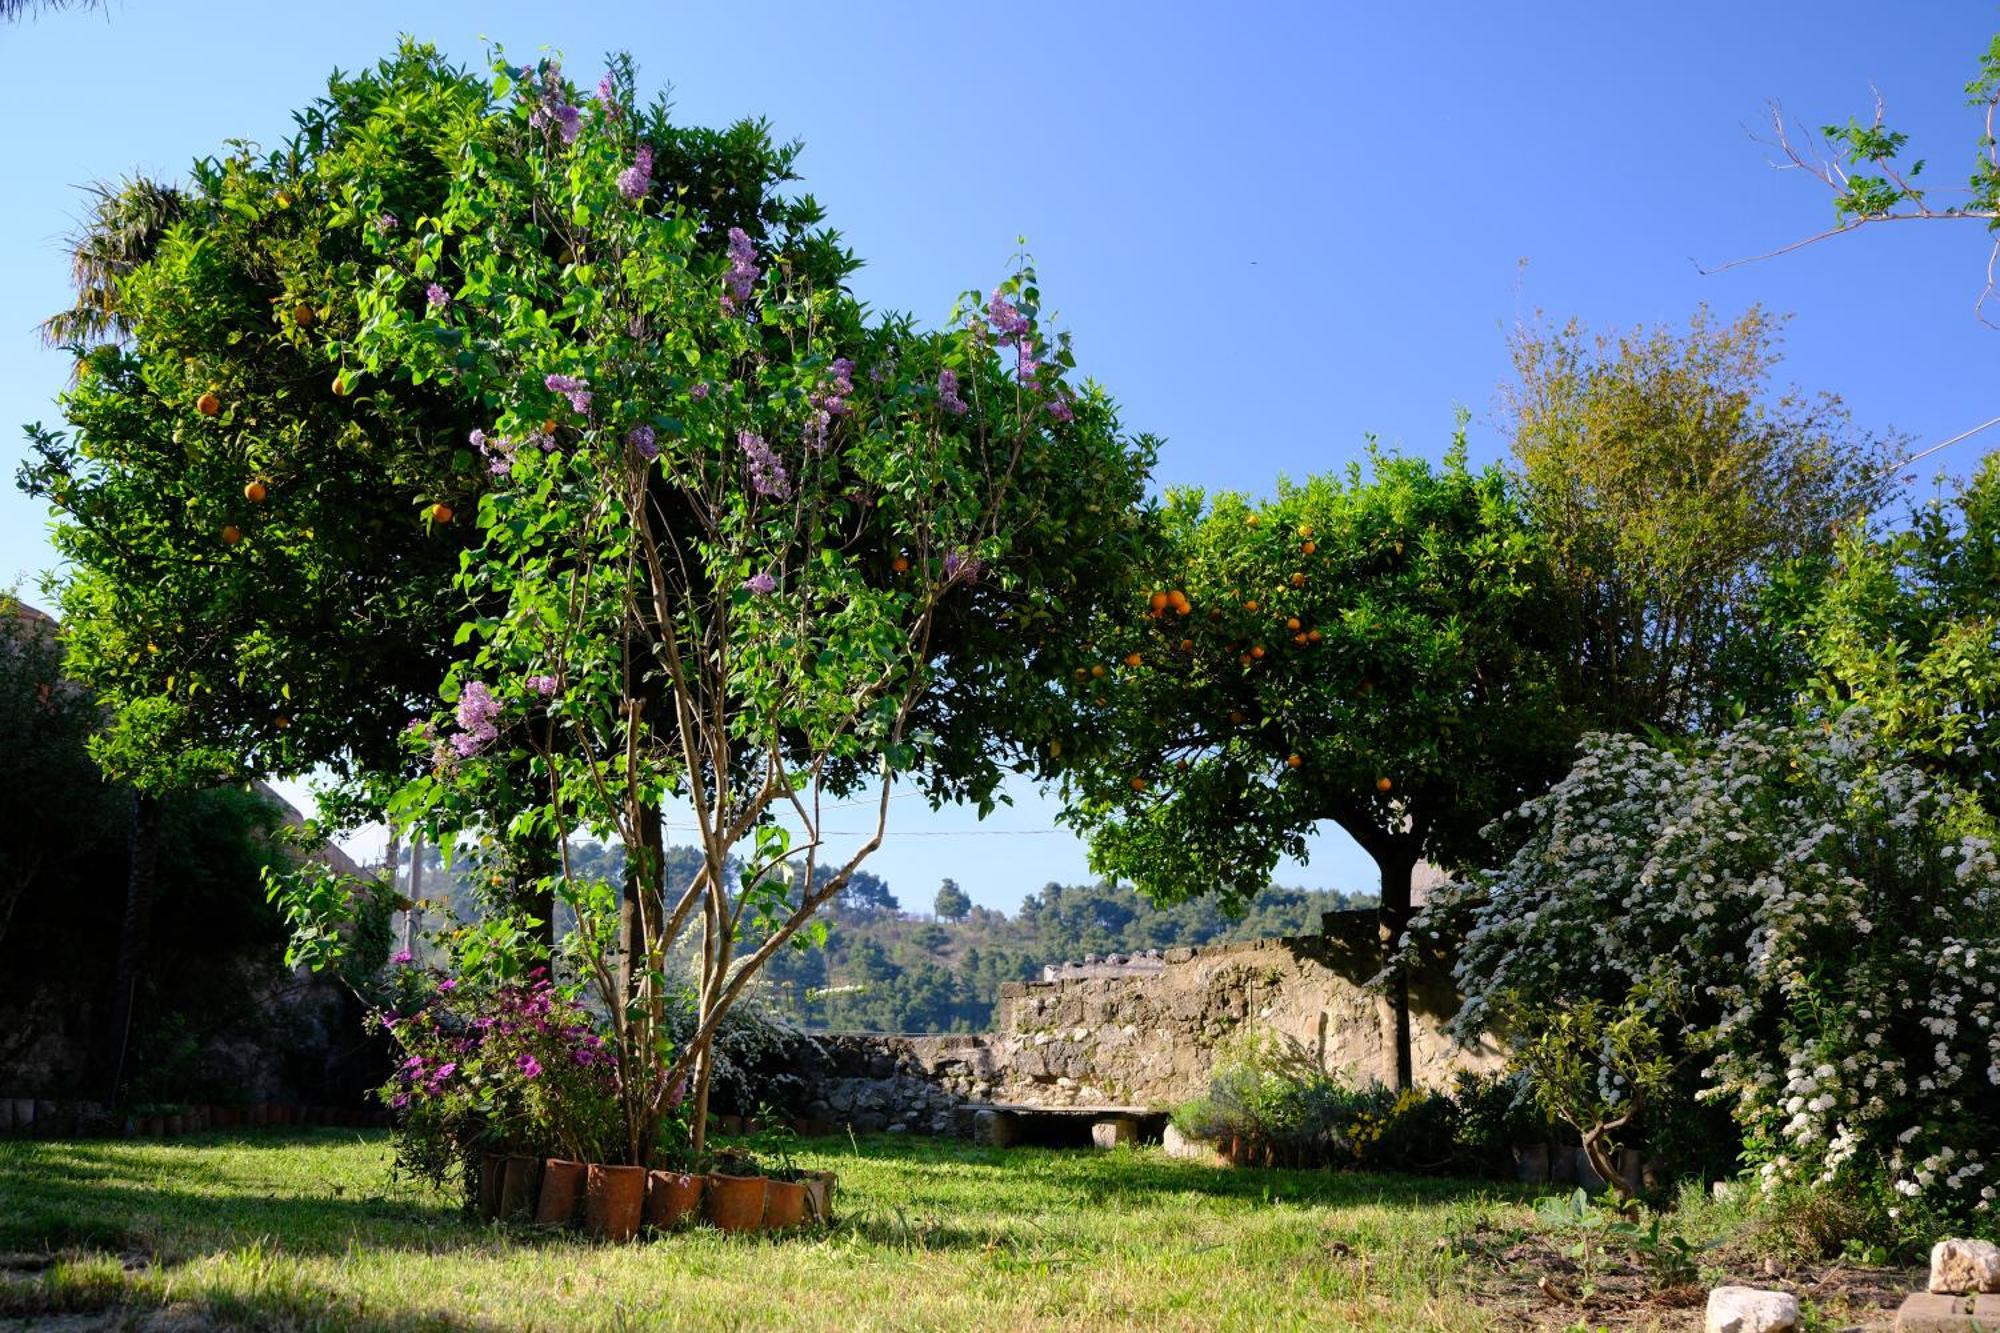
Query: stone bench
<point>1002,1124</point>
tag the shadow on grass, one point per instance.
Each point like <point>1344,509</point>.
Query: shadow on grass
<point>276,1298</point>
<point>1120,1176</point>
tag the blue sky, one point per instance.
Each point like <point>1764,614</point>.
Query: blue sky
<point>1274,229</point>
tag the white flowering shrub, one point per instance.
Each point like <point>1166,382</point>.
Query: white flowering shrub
<point>1829,921</point>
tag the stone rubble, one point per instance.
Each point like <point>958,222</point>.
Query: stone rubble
<point>1961,1267</point>
<point>1751,1310</point>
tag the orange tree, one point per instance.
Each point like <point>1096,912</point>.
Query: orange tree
<point>1378,648</point>
<point>262,544</point>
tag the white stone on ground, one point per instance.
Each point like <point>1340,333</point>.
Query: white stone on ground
<point>1960,1267</point>
<point>1749,1310</point>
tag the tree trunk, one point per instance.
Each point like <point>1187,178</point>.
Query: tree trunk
<point>1392,920</point>
<point>135,930</point>
<point>392,861</point>
<point>411,915</point>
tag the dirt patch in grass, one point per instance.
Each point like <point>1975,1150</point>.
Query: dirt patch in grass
<point>1527,1280</point>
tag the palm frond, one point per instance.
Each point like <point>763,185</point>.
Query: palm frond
<point>122,231</point>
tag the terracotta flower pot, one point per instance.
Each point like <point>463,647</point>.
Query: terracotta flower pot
<point>670,1196</point>
<point>784,1204</point>
<point>819,1195</point>
<point>492,1177</point>
<point>733,1203</point>
<point>519,1186</point>
<point>614,1200</point>
<point>562,1191</point>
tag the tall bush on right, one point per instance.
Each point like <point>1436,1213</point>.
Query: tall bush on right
<point>1828,922</point>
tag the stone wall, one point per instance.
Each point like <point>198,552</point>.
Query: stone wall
<point>1146,1038</point>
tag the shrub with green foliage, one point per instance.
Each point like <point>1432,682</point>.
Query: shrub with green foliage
<point>1270,1099</point>
<point>1827,921</point>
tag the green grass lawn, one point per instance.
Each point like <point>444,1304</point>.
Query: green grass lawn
<point>306,1230</point>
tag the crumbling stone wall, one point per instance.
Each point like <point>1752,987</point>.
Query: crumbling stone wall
<point>1105,1037</point>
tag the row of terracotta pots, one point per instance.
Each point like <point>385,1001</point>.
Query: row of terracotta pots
<point>613,1202</point>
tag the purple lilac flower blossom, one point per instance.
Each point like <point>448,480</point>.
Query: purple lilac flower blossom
<point>948,398</point>
<point>1028,365</point>
<point>761,583</point>
<point>530,1067</point>
<point>571,387</point>
<point>607,93</point>
<point>1007,319</point>
<point>699,391</point>
<point>403,958</point>
<point>741,279</point>
<point>635,180</point>
<point>642,439</point>
<point>436,297</point>
<point>959,562</point>
<point>817,425</point>
<point>767,473</point>
<point>386,222</point>
<point>498,451</point>
<point>476,710</point>
<point>543,685</point>
<point>1060,409</point>
<point>448,985</point>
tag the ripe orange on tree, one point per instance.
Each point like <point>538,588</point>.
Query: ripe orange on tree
<point>1291,622</point>
<point>1314,636</point>
<point>1097,670</point>
<point>1310,547</point>
<point>255,492</point>
<point>1299,639</point>
<point>1383,784</point>
<point>900,565</point>
<point>1236,717</point>
<point>1257,650</point>
<point>1250,605</point>
<point>1138,784</point>
<point>1133,659</point>
<point>302,315</point>
<point>231,534</point>
<point>1298,580</point>
<point>1187,645</point>
<point>1160,601</point>
<point>208,404</point>
<point>441,512</point>
<point>1293,761</point>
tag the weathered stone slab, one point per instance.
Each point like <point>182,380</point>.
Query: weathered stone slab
<point>1931,1312</point>
<point>1180,1146</point>
<point>1751,1310</point>
<point>1114,1130</point>
<point>995,1129</point>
